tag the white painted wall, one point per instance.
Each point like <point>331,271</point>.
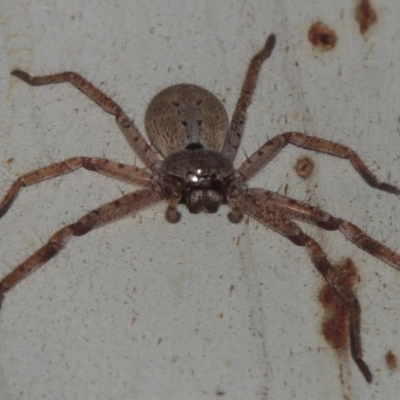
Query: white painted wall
<point>142,309</point>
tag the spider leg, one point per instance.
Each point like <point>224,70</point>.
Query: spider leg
<point>135,139</point>
<point>313,215</point>
<point>272,216</point>
<point>122,172</point>
<point>117,209</point>
<point>236,127</point>
<point>272,147</point>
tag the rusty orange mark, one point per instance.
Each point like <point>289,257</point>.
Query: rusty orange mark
<point>321,36</point>
<point>391,360</point>
<point>304,167</point>
<point>335,325</point>
<point>365,15</point>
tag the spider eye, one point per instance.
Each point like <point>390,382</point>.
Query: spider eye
<point>193,178</point>
<point>199,177</point>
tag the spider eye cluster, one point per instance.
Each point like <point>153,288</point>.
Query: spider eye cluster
<point>200,167</point>
<point>201,177</point>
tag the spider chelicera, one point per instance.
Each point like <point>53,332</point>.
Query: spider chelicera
<point>188,127</point>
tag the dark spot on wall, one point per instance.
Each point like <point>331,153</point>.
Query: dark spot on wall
<point>321,36</point>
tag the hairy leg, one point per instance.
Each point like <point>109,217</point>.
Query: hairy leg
<point>271,148</point>
<point>135,139</point>
<point>122,172</point>
<point>235,132</point>
<point>271,216</point>
<point>313,215</point>
<point>117,209</point>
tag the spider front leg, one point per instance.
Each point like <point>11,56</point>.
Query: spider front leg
<point>273,217</point>
<point>122,172</point>
<point>236,127</point>
<point>117,209</point>
<point>271,148</point>
<point>135,139</point>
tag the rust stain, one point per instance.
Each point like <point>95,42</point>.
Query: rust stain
<point>365,15</point>
<point>335,324</point>
<point>304,167</point>
<point>391,360</point>
<point>322,36</point>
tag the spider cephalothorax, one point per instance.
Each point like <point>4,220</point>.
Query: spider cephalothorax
<point>188,127</point>
<point>199,177</point>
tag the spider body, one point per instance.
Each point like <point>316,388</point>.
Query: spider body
<point>188,127</point>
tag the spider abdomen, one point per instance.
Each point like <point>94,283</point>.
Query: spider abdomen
<point>184,115</point>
